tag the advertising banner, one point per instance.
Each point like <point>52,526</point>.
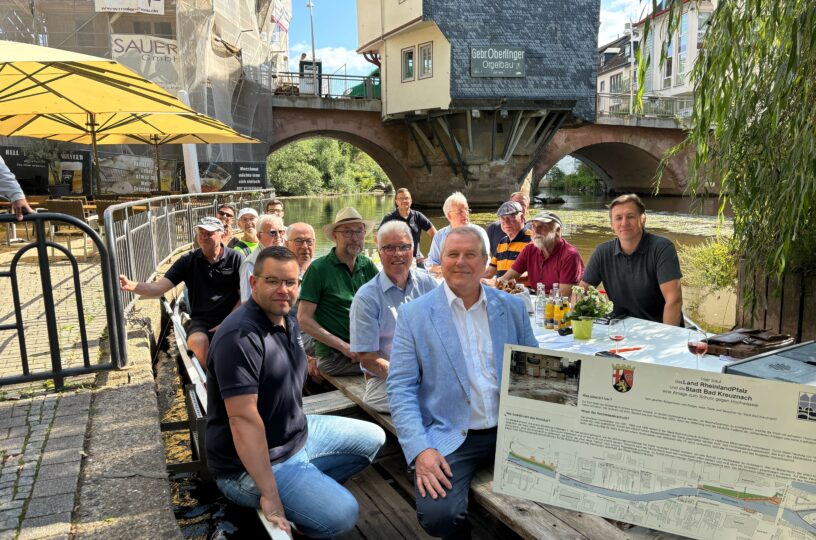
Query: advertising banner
<point>73,170</point>
<point>151,7</point>
<point>231,176</point>
<point>700,454</point>
<point>154,58</point>
<point>125,174</point>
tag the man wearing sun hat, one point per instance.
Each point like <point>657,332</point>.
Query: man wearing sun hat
<point>548,258</point>
<point>211,275</point>
<point>328,288</point>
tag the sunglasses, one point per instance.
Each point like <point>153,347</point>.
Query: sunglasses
<point>225,214</point>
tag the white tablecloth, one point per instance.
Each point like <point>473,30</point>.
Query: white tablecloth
<point>662,344</point>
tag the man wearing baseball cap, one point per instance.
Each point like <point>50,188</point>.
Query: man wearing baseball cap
<point>328,288</point>
<point>211,275</point>
<point>548,259</point>
<point>247,222</point>
<point>516,236</point>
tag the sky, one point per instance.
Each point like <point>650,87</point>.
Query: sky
<point>335,29</point>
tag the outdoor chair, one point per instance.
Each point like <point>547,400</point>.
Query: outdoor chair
<point>70,208</point>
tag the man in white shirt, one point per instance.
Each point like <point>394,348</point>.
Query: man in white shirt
<point>457,211</point>
<point>271,232</point>
<point>444,379</point>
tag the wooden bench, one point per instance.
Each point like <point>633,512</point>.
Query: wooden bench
<point>528,519</point>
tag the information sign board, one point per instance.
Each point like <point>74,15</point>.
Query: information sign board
<point>497,61</point>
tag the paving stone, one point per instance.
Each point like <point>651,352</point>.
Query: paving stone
<point>62,443</point>
<point>11,514</point>
<point>54,504</point>
<point>23,492</point>
<point>57,471</point>
<point>18,431</point>
<point>55,486</point>
<point>9,524</point>
<point>6,493</point>
<point>46,526</point>
<point>60,456</point>
<point>67,430</point>
<point>12,446</point>
<point>25,481</point>
<point>8,505</point>
<point>9,534</point>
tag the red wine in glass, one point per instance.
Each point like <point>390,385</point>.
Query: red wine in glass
<point>616,331</point>
<point>697,348</point>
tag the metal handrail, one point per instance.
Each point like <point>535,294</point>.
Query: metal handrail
<point>331,86</point>
<point>41,244</point>
<point>653,106</point>
<point>143,235</point>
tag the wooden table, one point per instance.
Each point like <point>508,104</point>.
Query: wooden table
<point>661,344</point>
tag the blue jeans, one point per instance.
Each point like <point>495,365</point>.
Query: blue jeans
<point>309,481</point>
<point>448,517</point>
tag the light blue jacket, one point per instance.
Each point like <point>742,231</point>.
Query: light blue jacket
<point>428,386</point>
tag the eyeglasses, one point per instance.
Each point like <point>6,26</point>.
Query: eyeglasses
<point>275,283</point>
<point>347,233</point>
<point>463,212</point>
<point>225,214</point>
<point>301,241</point>
<point>275,233</point>
<point>402,248</point>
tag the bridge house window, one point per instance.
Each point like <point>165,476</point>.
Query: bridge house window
<point>681,49</point>
<point>667,67</point>
<point>408,64</point>
<point>425,61</point>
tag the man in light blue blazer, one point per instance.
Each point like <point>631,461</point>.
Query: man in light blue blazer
<point>444,380</point>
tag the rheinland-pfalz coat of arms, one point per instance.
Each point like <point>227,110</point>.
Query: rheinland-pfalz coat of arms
<point>623,377</point>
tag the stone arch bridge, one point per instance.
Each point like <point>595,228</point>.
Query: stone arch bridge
<point>433,157</point>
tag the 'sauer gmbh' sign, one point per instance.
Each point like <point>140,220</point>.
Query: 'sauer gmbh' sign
<point>152,7</point>
<point>496,61</point>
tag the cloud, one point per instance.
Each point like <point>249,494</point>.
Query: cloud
<point>616,13</point>
<point>334,59</point>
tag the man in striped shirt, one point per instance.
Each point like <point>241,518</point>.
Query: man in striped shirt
<point>516,236</point>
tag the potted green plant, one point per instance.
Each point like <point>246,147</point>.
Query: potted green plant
<point>589,305</point>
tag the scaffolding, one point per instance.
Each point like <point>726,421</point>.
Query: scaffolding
<point>224,53</point>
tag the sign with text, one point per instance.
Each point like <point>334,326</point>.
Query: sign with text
<point>700,454</point>
<point>73,169</point>
<point>497,62</point>
<point>151,7</point>
<point>231,176</point>
<point>152,57</point>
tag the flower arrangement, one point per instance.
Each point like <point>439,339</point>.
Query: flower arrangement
<point>589,303</point>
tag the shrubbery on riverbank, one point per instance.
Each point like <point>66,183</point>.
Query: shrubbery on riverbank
<point>317,166</point>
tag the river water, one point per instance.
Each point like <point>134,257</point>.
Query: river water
<point>586,226</point>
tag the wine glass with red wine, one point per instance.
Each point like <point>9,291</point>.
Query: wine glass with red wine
<point>697,344</point>
<point>616,331</point>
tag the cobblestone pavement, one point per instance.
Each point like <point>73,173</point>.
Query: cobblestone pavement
<point>41,442</point>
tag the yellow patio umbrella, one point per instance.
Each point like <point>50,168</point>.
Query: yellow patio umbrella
<point>124,128</point>
<point>38,81</point>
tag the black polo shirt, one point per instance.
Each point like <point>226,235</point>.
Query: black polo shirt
<point>250,355</point>
<point>416,221</point>
<point>214,288</point>
<point>633,281</point>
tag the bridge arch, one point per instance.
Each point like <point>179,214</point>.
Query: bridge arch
<point>625,158</point>
<point>383,143</point>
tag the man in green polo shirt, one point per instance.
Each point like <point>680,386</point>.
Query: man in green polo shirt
<point>328,288</point>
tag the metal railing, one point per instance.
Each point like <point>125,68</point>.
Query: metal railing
<point>653,106</point>
<point>331,86</point>
<point>41,244</point>
<point>143,235</point>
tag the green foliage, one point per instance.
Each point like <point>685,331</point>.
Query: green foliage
<point>322,165</point>
<point>753,127</point>
<point>581,179</point>
<point>710,266</point>
<point>589,303</point>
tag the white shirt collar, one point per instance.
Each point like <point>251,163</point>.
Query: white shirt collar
<point>451,296</point>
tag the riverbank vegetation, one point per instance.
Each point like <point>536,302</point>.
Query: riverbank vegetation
<point>582,179</point>
<point>322,166</point>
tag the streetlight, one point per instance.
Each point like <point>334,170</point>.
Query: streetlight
<point>310,5</point>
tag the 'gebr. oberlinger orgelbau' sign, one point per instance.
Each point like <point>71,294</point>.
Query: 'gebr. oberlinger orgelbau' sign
<point>496,62</point>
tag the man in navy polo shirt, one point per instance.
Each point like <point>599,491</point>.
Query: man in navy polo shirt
<point>211,273</point>
<point>416,221</point>
<point>262,449</point>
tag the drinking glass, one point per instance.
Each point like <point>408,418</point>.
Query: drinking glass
<point>697,344</point>
<point>616,331</point>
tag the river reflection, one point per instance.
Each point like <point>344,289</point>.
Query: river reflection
<point>673,211</point>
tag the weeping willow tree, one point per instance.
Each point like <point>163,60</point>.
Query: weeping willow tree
<point>752,132</point>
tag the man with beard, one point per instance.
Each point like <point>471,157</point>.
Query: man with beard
<point>516,236</point>
<point>328,289</point>
<point>211,273</point>
<point>263,451</point>
<point>247,222</point>
<point>548,259</point>
<point>270,233</point>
